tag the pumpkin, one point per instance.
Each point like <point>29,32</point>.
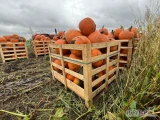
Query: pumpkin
<point>2,39</point>
<point>111,35</point>
<point>70,77</point>
<point>117,32</point>
<point>134,30</point>
<point>58,62</point>
<point>124,51</point>
<point>113,48</point>
<point>61,34</point>
<point>73,66</point>
<point>96,52</point>
<point>20,44</point>
<point>38,37</point>
<point>70,34</point>
<point>64,51</point>
<point>95,37</point>
<point>15,36</point>
<point>96,76</point>
<point>14,40</point>
<point>55,38</point>
<point>126,34</point>
<point>79,40</point>
<point>103,30</point>
<point>22,39</point>
<point>87,26</point>
<point>7,37</point>
<point>9,45</point>
<point>104,38</point>
<point>78,82</point>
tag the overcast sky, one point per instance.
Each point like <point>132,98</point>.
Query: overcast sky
<point>25,17</point>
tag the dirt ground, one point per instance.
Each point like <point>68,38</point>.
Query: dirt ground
<point>27,87</point>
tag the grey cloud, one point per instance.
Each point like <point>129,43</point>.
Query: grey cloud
<point>18,16</point>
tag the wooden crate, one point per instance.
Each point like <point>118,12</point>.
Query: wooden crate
<point>13,50</point>
<point>125,53</point>
<point>86,92</point>
<point>41,47</point>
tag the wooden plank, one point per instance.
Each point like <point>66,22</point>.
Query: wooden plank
<point>111,79</point>
<point>74,74</point>
<point>112,71</point>
<point>122,61</point>
<point>9,58</point>
<point>97,70</point>
<point>67,46</point>
<point>98,90</point>
<point>95,82</point>
<point>97,58</point>
<point>8,55</point>
<point>125,55</point>
<point>75,88</point>
<point>87,68</point>
<point>129,55</point>
<point>113,62</point>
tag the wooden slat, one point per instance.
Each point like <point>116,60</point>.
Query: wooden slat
<point>78,90</point>
<point>113,62</point>
<point>125,55</point>
<point>77,75</point>
<point>75,88</point>
<point>122,61</point>
<point>98,90</point>
<point>97,70</point>
<point>111,79</point>
<point>112,71</point>
<point>99,57</point>
<point>95,82</point>
<point>9,58</point>
<point>8,55</point>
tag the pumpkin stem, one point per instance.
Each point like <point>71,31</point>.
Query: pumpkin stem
<point>56,31</point>
<point>130,28</point>
<point>112,32</point>
<point>121,27</point>
<point>72,41</point>
<point>103,26</point>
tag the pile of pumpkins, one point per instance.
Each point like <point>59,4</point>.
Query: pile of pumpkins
<point>88,34</point>
<point>8,41</point>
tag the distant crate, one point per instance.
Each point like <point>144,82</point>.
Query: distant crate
<point>13,50</point>
<point>88,88</point>
<point>41,47</point>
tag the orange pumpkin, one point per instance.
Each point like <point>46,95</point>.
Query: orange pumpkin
<point>70,34</point>
<point>87,26</point>
<point>95,37</point>
<point>72,66</point>
<point>70,77</point>
<point>126,34</point>
<point>79,40</point>
<point>58,62</point>
<point>78,82</point>
<point>96,52</point>
<point>2,39</point>
<point>55,38</point>
<point>14,40</point>
<point>7,37</point>
<point>113,48</point>
<point>22,39</point>
<point>103,30</point>
<point>61,34</point>
<point>96,76</point>
<point>117,32</point>
<point>134,30</point>
<point>9,45</point>
<point>64,51</point>
<point>124,51</point>
<point>111,35</point>
<point>38,37</point>
<point>104,38</point>
<point>15,36</point>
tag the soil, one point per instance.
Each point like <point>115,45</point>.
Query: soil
<point>27,87</point>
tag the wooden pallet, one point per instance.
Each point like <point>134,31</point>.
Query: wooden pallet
<point>13,50</point>
<point>86,92</point>
<point>41,47</point>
